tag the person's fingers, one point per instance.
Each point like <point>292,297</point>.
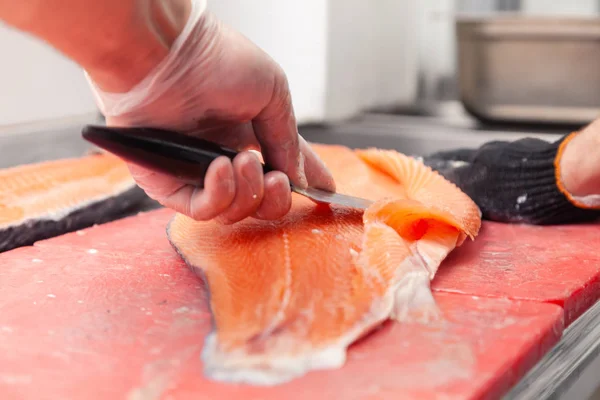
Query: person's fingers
<point>218,193</point>
<point>276,130</point>
<point>317,174</point>
<point>278,197</point>
<point>199,204</point>
<point>249,188</point>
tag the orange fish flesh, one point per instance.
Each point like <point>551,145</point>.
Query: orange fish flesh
<point>46,199</point>
<point>289,296</point>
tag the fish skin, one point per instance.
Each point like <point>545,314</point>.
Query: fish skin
<point>99,212</point>
<point>289,296</point>
<point>74,214</point>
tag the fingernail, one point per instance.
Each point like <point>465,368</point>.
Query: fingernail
<point>325,178</point>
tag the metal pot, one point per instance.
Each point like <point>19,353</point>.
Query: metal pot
<point>529,69</point>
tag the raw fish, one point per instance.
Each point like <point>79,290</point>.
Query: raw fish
<point>42,200</point>
<point>289,296</point>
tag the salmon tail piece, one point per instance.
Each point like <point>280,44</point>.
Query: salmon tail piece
<point>428,235</point>
<point>427,186</point>
<point>433,228</point>
<point>246,367</point>
<point>290,296</point>
<point>413,300</point>
<point>403,271</point>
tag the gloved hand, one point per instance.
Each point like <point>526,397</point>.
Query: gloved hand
<point>517,182</point>
<point>217,84</point>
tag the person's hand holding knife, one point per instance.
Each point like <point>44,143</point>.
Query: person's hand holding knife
<point>172,64</point>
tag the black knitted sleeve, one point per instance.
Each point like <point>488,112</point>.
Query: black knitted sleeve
<point>512,181</point>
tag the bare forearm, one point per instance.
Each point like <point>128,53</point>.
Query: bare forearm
<point>116,41</point>
<point>580,162</point>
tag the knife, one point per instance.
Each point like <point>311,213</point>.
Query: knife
<point>186,157</point>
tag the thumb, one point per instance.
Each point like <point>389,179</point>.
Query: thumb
<point>275,128</point>
<point>282,147</point>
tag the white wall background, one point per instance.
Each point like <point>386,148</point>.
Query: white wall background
<point>294,34</point>
<point>37,83</point>
<point>371,55</point>
<point>562,7</point>
<point>341,56</point>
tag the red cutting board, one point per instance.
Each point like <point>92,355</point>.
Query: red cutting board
<point>112,312</point>
<point>559,265</point>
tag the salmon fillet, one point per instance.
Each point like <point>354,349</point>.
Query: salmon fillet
<point>46,199</point>
<point>289,296</point>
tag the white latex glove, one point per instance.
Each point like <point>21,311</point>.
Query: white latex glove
<point>217,84</point>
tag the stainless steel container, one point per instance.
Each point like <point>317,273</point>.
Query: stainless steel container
<point>526,69</point>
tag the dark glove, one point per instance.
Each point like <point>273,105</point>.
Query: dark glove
<point>512,181</point>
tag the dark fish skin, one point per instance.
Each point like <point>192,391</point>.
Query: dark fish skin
<point>102,211</point>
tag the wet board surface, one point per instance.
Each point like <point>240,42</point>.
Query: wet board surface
<point>559,265</point>
<point>112,312</point>
<point>107,325</point>
<point>141,234</point>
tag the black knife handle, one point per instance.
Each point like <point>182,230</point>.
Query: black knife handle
<point>184,157</point>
